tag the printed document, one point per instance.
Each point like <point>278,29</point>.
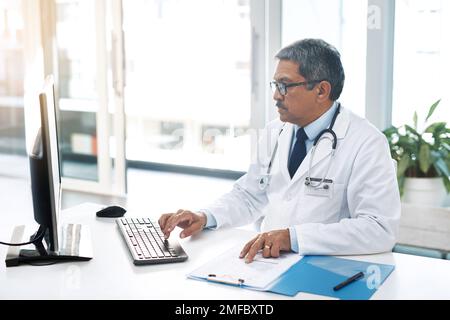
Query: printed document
<point>258,275</point>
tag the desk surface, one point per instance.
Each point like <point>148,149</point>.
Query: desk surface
<point>112,275</point>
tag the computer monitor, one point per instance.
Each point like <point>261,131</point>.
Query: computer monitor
<point>44,166</point>
<point>53,242</point>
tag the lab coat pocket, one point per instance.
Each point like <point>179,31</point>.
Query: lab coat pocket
<point>324,209</point>
<point>339,192</point>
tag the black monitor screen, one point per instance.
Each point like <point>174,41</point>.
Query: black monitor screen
<point>43,153</point>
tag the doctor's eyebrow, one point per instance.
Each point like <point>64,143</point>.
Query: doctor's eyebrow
<point>283,79</point>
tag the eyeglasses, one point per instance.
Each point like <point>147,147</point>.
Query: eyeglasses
<point>282,87</point>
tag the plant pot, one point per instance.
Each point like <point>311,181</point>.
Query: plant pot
<point>425,191</point>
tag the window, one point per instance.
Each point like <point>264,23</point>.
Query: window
<point>188,83</point>
<point>422,60</point>
<point>12,129</point>
<point>77,88</point>
<point>342,23</point>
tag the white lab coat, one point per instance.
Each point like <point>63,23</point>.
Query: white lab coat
<point>362,215</point>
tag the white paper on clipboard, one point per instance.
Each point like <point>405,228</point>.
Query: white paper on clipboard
<point>229,268</point>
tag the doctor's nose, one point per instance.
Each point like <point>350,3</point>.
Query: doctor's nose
<point>277,96</point>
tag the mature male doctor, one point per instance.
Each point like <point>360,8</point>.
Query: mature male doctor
<point>317,192</point>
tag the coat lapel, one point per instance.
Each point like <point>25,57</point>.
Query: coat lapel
<point>323,149</point>
<point>285,144</point>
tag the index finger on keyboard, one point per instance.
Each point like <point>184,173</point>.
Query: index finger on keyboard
<point>163,219</point>
<point>175,220</point>
<point>168,225</point>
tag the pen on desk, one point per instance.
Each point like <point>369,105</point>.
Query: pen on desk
<point>348,281</point>
<point>224,279</point>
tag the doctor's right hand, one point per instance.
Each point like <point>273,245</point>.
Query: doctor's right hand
<point>191,222</point>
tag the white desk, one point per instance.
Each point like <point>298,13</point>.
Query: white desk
<point>112,275</point>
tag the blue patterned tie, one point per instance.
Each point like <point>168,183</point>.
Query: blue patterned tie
<point>298,153</point>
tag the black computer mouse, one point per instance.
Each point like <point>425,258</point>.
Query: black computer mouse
<point>111,212</point>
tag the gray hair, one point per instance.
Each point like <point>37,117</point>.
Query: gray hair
<point>318,60</point>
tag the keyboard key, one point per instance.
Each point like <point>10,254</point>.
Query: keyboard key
<point>164,250</point>
<point>158,250</point>
<point>146,253</point>
<point>138,251</point>
<point>156,238</point>
<point>148,241</point>
<point>133,240</point>
<point>166,253</point>
<point>153,252</point>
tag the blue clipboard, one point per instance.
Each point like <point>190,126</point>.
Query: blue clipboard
<point>320,274</point>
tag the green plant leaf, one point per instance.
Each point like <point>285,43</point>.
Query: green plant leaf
<point>436,128</point>
<point>390,131</point>
<point>408,144</point>
<point>432,108</point>
<point>446,146</point>
<point>424,158</point>
<point>442,167</point>
<point>410,130</point>
<point>403,165</point>
<point>415,120</point>
<point>401,185</point>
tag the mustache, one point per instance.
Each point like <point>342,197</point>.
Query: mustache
<point>280,105</point>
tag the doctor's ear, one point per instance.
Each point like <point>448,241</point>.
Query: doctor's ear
<point>323,90</point>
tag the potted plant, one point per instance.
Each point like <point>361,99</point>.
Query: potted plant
<point>423,160</point>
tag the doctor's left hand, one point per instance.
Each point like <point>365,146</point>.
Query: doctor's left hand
<point>271,243</point>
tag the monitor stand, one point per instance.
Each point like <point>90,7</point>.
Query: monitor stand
<point>74,245</point>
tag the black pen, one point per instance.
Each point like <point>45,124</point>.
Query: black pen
<point>348,281</point>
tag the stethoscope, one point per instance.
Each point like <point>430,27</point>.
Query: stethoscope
<point>309,182</point>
